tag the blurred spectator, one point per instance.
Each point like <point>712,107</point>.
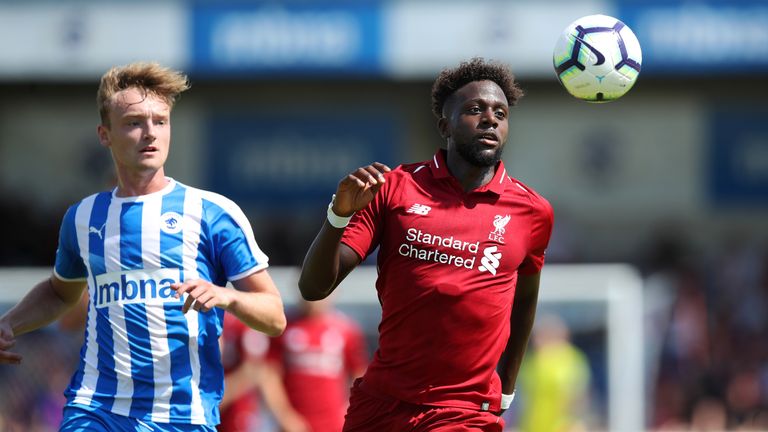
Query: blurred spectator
<point>708,415</point>
<point>554,381</point>
<point>316,359</point>
<point>243,351</point>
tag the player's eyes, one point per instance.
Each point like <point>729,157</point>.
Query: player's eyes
<point>501,114</point>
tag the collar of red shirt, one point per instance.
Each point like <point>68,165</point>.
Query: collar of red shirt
<point>440,170</point>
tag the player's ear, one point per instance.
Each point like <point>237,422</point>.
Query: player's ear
<point>103,134</point>
<point>442,126</point>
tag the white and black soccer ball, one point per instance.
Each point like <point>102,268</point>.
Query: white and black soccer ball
<point>597,58</point>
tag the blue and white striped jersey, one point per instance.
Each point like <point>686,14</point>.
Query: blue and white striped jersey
<point>141,356</point>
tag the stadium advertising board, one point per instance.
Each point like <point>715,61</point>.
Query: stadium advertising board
<point>275,162</point>
<point>422,37</point>
<point>71,40</point>
<point>301,39</point>
<point>700,37</point>
<point>738,158</point>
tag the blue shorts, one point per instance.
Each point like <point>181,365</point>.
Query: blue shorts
<point>77,419</point>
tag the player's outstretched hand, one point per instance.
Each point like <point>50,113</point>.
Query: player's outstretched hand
<point>202,295</point>
<point>358,188</point>
<point>7,341</point>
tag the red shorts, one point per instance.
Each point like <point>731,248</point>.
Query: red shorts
<point>376,413</point>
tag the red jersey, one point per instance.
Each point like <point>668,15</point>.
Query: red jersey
<point>240,344</point>
<point>447,268</point>
<point>319,356</point>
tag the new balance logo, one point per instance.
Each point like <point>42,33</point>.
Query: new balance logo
<point>490,261</point>
<point>419,209</point>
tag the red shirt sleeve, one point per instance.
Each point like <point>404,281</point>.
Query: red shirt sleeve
<point>541,231</point>
<point>364,229</point>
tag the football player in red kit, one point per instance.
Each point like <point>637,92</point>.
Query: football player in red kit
<point>315,360</point>
<point>461,247</point>
<point>243,353</point>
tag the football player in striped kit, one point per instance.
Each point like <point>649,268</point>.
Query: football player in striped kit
<point>155,256</point>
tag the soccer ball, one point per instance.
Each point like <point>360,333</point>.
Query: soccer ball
<point>597,58</point>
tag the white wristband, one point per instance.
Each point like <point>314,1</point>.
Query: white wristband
<point>335,220</point>
<point>506,400</point>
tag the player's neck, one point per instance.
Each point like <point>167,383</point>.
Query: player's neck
<point>137,184</point>
<point>470,176</point>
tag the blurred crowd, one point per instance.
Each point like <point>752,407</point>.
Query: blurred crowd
<point>31,396</point>
<point>713,364</point>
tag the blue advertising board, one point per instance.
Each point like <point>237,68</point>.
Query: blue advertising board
<point>293,162</point>
<point>703,37</point>
<point>286,38</point>
<point>738,157</point>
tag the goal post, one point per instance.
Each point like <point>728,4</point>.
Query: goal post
<point>619,288</point>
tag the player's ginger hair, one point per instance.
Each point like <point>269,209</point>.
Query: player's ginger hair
<point>150,78</point>
<point>477,69</point>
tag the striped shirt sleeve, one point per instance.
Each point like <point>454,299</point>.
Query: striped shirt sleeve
<point>69,265</point>
<point>235,247</point>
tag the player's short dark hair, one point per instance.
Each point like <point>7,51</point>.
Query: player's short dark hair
<point>477,69</point>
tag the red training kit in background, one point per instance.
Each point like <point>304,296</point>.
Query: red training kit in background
<point>448,264</point>
<point>240,344</point>
<point>319,356</point>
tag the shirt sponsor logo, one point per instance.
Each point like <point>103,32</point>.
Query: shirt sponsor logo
<point>499,228</point>
<point>418,242</point>
<point>490,261</point>
<point>170,222</point>
<point>136,286</point>
<point>419,237</point>
<point>419,209</point>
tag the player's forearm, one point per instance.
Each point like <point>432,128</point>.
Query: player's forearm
<point>320,269</point>
<point>260,311</point>
<point>521,323</point>
<point>276,398</point>
<point>40,307</point>
<point>237,383</point>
